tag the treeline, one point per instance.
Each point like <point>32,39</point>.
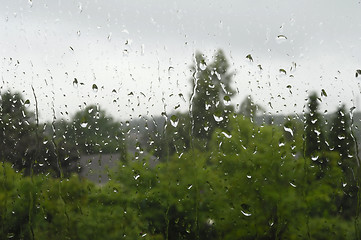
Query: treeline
<point>54,147</point>
<point>219,174</point>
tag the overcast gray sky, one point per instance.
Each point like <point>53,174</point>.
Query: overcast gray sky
<point>130,45</point>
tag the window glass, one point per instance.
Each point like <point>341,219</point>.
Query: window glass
<point>180,119</point>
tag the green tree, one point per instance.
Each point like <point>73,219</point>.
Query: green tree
<point>210,109</point>
<point>342,142</point>
<point>92,131</point>
<point>340,137</point>
<point>212,91</point>
<point>173,137</point>
<point>43,207</point>
<point>315,139</point>
<point>268,190</point>
<point>25,145</point>
<point>17,132</point>
<point>248,108</point>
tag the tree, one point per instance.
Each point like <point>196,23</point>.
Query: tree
<point>210,109</point>
<point>248,108</point>
<point>93,131</point>
<point>42,208</point>
<point>315,144</point>
<point>212,91</point>
<point>342,142</point>
<point>17,131</point>
<point>24,144</point>
<point>340,137</point>
<point>169,137</point>
<point>267,191</point>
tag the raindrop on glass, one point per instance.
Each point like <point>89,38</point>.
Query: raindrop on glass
<point>95,87</point>
<point>218,118</point>
<point>84,124</point>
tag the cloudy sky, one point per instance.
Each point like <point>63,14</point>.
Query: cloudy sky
<point>126,49</point>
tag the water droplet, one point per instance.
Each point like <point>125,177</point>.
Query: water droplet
<point>281,39</point>
<point>313,121</point>
<point>136,177</point>
<point>95,87</point>
<point>227,100</point>
<point>289,130</point>
<point>323,93</point>
<point>202,66</point>
<point>115,190</point>
<point>190,186</point>
<point>174,121</point>
<point>84,124</point>
<point>210,221</point>
<point>317,132</point>
<point>293,185</point>
<point>27,103</point>
<point>75,83</point>
<point>245,213</point>
<point>207,106</point>
<point>314,158</point>
<point>283,71</point>
<point>218,118</point>
<point>10,235</point>
<point>80,7</point>
<point>218,75</point>
<point>358,72</point>
<point>249,56</point>
<point>142,49</point>
<point>227,135</point>
<point>341,137</point>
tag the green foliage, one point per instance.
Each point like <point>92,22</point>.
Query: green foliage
<point>252,184</point>
<point>17,129</point>
<point>341,139</point>
<point>209,179</point>
<point>212,93</point>
<point>93,131</point>
<point>46,208</point>
<point>174,138</point>
<point>24,144</point>
<point>315,139</point>
<point>343,143</point>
